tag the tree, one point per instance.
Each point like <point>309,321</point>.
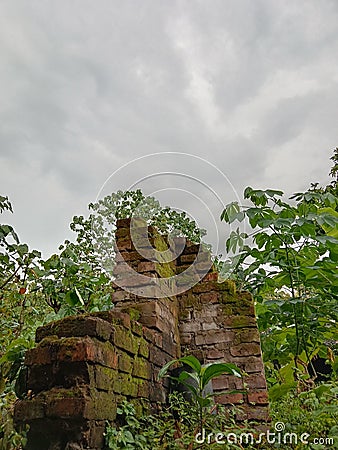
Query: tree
<point>289,262</point>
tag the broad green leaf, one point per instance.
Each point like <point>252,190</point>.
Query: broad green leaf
<point>217,369</point>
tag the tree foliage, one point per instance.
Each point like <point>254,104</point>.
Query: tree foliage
<point>288,261</point>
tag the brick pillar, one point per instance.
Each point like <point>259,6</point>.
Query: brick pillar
<point>81,369</point>
<point>142,264</point>
<point>218,324</point>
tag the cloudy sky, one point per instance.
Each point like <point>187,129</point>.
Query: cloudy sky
<point>89,88</point>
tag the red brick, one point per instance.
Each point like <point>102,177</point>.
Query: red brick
<point>209,297</point>
<point>233,399</point>
<point>258,397</point>
<point>256,381</point>
<point>254,365</point>
<point>146,266</point>
<point>245,349</point>
<point>39,355</point>
<point>220,383</point>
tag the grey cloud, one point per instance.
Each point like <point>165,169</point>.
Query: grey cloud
<point>250,86</point>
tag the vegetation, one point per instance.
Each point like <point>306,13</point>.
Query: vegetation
<point>177,427</point>
<point>289,262</point>
<point>198,379</point>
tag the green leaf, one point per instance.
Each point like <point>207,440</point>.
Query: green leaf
<point>217,369</point>
<point>192,362</point>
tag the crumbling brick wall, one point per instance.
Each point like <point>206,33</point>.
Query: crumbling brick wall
<point>167,303</point>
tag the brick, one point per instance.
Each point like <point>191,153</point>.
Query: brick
<point>122,233</point>
<point>143,389</point>
<point>66,408</point>
<point>121,318</point>
<point>158,356</point>
<point>105,377</point>
<point>143,348</point>
<point>213,353</point>
<point>131,256</point>
<point>186,338</point>
<point>142,368</point>
<point>122,268</point>
<point>191,248</point>
<point>212,337</point>
<point>39,356</point>
<point>209,326</point>
<point>123,223</point>
<point>211,276</point>
<point>125,363</point>
<point>188,258</point>
<point>137,328</point>
<point>124,244</point>
<point>77,326</point>
<point>220,383</point>
<point>258,398</point>
<point>157,393</point>
<point>85,349</point>
<point>191,327</point>
<point>125,340</point>
<point>153,337</point>
<point>146,266</point>
<point>27,410</point>
<point>227,399</point>
<point>207,286</point>
<point>254,364</point>
<point>259,413</point>
<point>245,349</point>
<point>247,335</point>
<point>209,297</point>
<point>239,322</point>
<point>134,279</point>
<point>256,381</point>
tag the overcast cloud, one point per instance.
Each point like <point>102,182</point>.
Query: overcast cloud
<point>86,87</point>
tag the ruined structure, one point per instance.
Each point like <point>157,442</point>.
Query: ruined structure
<point>164,307</point>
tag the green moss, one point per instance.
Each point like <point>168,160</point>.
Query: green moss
<point>241,321</point>
<point>143,348</point>
<point>142,368</point>
<point>126,340</point>
<point>134,314</point>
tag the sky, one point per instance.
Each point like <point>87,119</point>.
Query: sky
<point>190,101</point>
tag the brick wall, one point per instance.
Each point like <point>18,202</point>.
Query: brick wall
<point>167,303</point>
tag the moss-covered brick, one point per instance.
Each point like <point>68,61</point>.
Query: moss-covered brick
<point>125,363</point>
<point>105,378</point>
<point>247,335</point>
<point>245,349</point>
<point>142,388</point>
<point>143,348</point>
<point>189,300</point>
<point>134,314</point>
<point>142,368</point>
<point>76,326</point>
<point>104,406</point>
<point>126,340</point>
<point>137,328</point>
<point>125,385</point>
<point>239,322</point>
